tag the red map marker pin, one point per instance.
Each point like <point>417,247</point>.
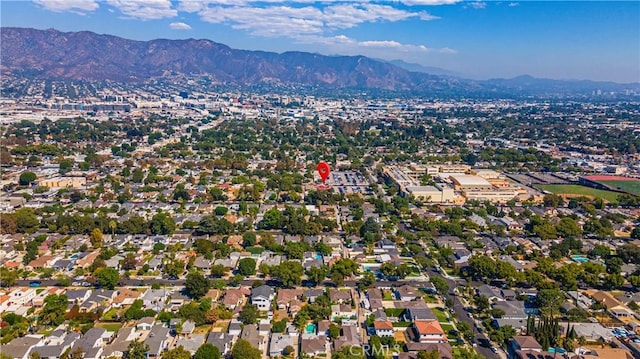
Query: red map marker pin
<point>323,170</point>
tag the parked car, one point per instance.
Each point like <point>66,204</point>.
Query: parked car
<point>35,283</point>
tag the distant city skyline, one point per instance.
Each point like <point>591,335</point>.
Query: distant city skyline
<point>561,40</point>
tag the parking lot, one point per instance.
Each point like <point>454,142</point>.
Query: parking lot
<point>347,182</point>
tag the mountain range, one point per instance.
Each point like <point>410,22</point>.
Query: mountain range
<point>87,56</point>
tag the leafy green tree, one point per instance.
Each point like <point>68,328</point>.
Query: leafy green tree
<point>247,266</point>
<point>550,299</point>
<point>173,268</point>
<point>65,166</point>
<point>334,331</point>
<point>614,265</point>
<point>568,227</point>
<point>317,274</point>
<point>207,351</point>
<point>370,230</point>
<point>137,350</point>
<point>137,176</point>
<point>464,353</point>
<point>135,311</point>
<point>249,239</point>
<point>8,277</point>
<point>162,223</point>
<point>63,280</point>
<point>349,352</point>
<point>55,307</point>
<point>343,268</point>
<point>482,303</point>
<point>545,231</point>
<point>288,350</point>
<point>600,250</point>
<point>272,219</point>
<point>552,200</point>
<point>243,350</point>
<point>196,285</point>
<point>614,280</point>
<point>279,326</point>
<point>107,277</point>
<point>218,270</point>
<point>177,353</point>
<point>96,238</point>
<point>180,193</point>
<point>214,225</point>
<point>26,178</point>
<point>440,284</point>
<point>482,267</point>
<point>289,273</point>
<point>249,314</point>
<point>368,278</point>
<point>158,247</point>
<point>26,220</point>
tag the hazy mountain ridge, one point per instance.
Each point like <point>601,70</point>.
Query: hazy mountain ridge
<point>84,55</point>
<point>89,56</point>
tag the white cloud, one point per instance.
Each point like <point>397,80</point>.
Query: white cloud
<point>347,45</point>
<point>512,4</point>
<point>379,49</point>
<point>76,6</point>
<point>275,21</point>
<point>478,4</point>
<point>145,9</point>
<point>429,2</point>
<point>180,26</point>
<point>446,50</point>
<point>295,21</point>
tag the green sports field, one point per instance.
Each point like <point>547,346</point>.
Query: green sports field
<point>574,189</point>
<point>632,187</point>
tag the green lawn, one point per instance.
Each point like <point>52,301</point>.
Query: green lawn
<point>574,189</point>
<point>440,315</point>
<point>110,327</point>
<point>387,295</point>
<point>111,314</point>
<point>632,187</point>
<point>446,327</point>
<point>430,298</point>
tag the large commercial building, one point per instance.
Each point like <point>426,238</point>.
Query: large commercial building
<point>432,194</point>
<point>407,178</point>
<point>470,183</point>
<point>455,185</point>
<point>481,189</point>
<point>63,182</point>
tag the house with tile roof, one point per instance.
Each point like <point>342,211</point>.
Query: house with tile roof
<point>428,331</point>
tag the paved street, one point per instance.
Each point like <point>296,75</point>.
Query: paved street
<point>480,338</point>
<point>483,341</point>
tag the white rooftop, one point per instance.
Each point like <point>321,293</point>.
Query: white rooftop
<point>468,180</point>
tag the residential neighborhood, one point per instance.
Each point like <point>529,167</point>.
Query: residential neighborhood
<point>201,228</point>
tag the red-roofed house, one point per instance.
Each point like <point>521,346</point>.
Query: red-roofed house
<point>383,328</point>
<point>428,331</point>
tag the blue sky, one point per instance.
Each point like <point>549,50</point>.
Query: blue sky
<point>552,39</point>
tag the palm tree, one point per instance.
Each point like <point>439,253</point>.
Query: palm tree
<point>113,226</point>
